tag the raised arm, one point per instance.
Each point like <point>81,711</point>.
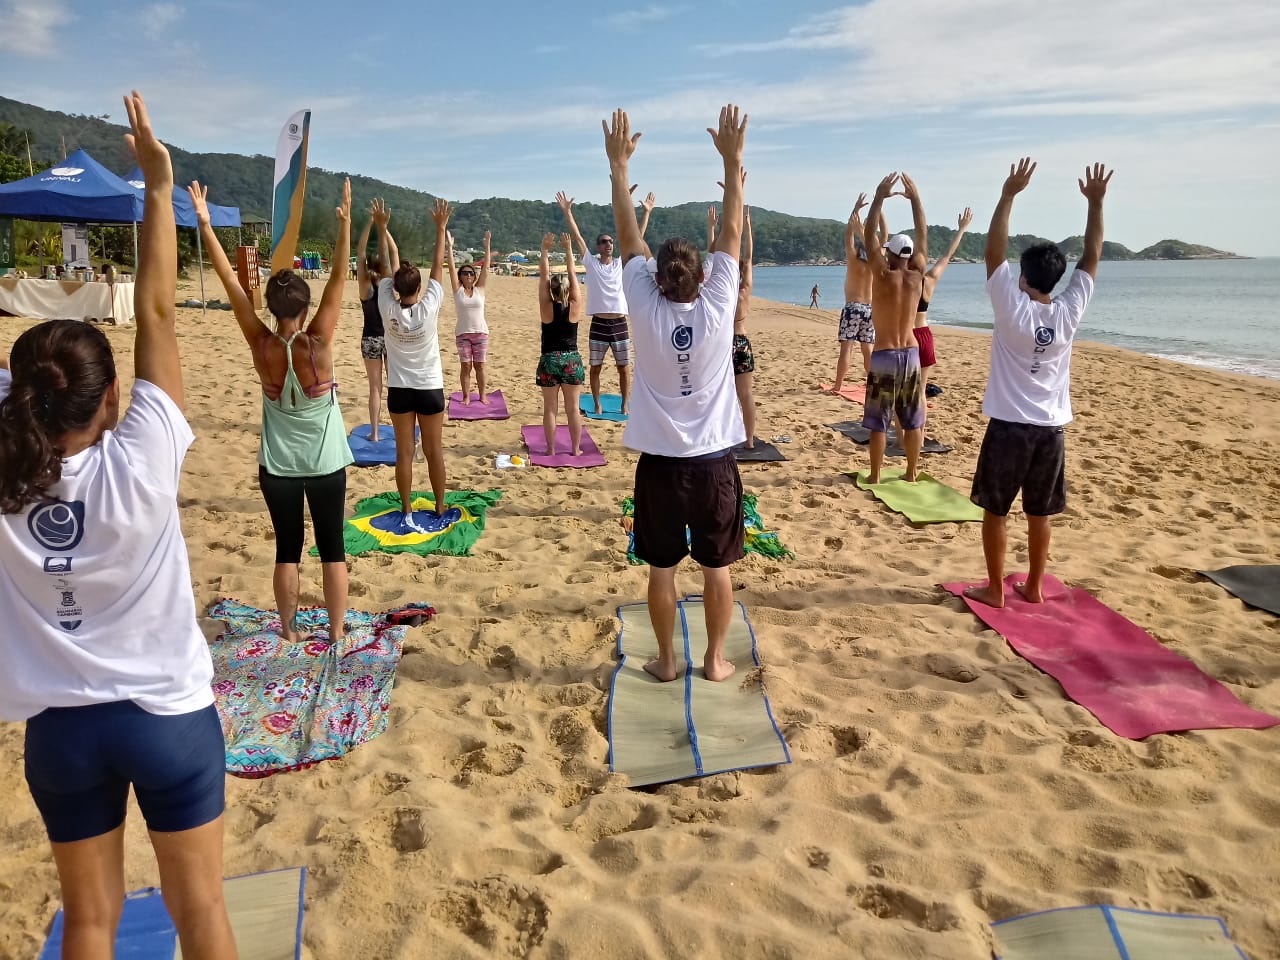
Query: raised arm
<point>619,145</point>
<point>575,292</point>
<point>251,327</point>
<point>362,249</point>
<point>440,213</point>
<point>544,278</point>
<point>156,358</point>
<point>853,230</point>
<point>712,224</point>
<point>647,203</point>
<point>729,139</point>
<point>875,253</point>
<point>884,230</point>
<point>1094,188</point>
<point>566,207</point>
<point>962,224</point>
<point>920,248</point>
<point>997,251</point>
<point>326,319</point>
<point>453,268</point>
<point>488,256</point>
<point>748,250</point>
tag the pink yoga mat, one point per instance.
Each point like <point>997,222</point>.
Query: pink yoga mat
<point>536,440</point>
<point>495,409</point>
<point>854,392</point>
<point>1110,666</point>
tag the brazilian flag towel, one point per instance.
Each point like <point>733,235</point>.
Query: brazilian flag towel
<point>379,524</point>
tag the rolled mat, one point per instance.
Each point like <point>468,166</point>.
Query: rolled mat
<point>925,501</point>
<point>1258,586</point>
<point>536,440</point>
<point>610,407</point>
<point>690,727</point>
<point>370,454</point>
<point>494,407</point>
<point>265,911</point>
<point>761,452</point>
<point>1110,666</point>
<point>1113,933</point>
<point>853,392</point>
<point>855,431</point>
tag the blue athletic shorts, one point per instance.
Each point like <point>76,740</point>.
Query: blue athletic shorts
<point>80,762</point>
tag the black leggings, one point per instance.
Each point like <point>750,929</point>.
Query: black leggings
<point>327,497</point>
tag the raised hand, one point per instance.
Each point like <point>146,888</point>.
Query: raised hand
<point>343,211</point>
<point>857,207</point>
<point>648,202</point>
<point>565,201</point>
<point>619,141</point>
<point>1019,177</point>
<point>151,154</point>
<point>720,183</point>
<point>488,238</point>
<point>885,187</point>
<point>379,212</point>
<point>567,242</point>
<point>448,236</point>
<point>441,212</point>
<point>909,188</point>
<point>731,136</point>
<point>1094,184</point>
<point>198,195</point>
<point>548,241</point>
<point>966,218</point>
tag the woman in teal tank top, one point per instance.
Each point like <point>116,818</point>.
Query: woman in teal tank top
<point>304,452</point>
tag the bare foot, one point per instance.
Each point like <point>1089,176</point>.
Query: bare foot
<point>598,410</point>
<point>625,411</point>
<point>373,436</point>
<point>873,479</point>
<point>717,669</point>
<point>666,672</point>
<point>466,401</point>
<point>290,630</point>
<point>576,453</point>
<point>1027,594</point>
<point>992,598</point>
<point>750,444</point>
<point>910,478</point>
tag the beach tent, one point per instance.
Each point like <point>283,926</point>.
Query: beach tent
<point>77,190</point>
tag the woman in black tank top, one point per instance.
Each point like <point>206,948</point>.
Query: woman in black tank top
<point>560,369</point>
<point>372,349</point>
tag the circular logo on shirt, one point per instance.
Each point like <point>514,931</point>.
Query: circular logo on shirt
<point>57,526</point>
<point>682,338</point>
<point>1044,336</point>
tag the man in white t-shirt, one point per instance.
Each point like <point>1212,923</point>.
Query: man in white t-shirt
<point>606,306</point>
<point>685,418</point>
<point>1028,394</point>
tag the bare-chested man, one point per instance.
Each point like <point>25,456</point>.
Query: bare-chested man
<point>894,385</point>
<point>855,318</point>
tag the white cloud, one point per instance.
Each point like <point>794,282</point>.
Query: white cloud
<point>641,17</point>
<point>157,18</point>
<point>29,28</point>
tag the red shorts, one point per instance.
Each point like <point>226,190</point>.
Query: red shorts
<point>924,340</point>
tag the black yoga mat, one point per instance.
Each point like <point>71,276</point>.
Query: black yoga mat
<point>1258,586</point>
<point>855,431</point>
<point>762,452</point>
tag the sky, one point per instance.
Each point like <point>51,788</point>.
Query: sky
<point>1182,99</point>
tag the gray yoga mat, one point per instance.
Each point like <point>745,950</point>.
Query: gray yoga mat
<point>855,431</point>
<point>1257,585</point>
<point>762,452</point>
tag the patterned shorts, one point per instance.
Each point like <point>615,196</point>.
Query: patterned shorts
<point>561,369</point>
<point>373,348</point>
<point>472,347</point>
<point>855,323</point>
<point>744,361</point>
<point>621,352</point>
<point>894,386</point>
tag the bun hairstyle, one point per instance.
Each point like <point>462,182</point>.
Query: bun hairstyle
<point>288,295</point>
<point>61,371</point>
<point>559,284</point>
<point>408,280</point>
<point>373,264</point>
<point>679,270</point>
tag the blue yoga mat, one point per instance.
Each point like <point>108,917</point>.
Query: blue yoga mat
<point>610,403</point>
<point>369,454</point>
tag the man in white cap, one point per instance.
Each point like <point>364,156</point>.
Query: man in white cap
<point>894,384</point>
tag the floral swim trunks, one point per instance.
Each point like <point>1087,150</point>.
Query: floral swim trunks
<point>855,323</point>
<point>373,348</point>
<point>744,360</point>
<point>561,368</point>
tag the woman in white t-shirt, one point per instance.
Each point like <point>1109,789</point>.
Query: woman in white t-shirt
<point>103,656</point>
<point>415,378</point>
<point>472,333</point>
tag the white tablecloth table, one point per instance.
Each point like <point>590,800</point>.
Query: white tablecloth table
<point>66,299</point>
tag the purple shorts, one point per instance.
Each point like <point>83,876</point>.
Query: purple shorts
<point>472,347</point>
<point>894,386</point>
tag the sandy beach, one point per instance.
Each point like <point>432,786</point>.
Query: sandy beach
<point>939,781</point>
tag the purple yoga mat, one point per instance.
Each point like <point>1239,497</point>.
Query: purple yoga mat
<point>495,409</point>
<point>1110,666</point>
<point>536,440</point>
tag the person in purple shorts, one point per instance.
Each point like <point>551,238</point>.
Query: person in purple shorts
<point>894,384</point>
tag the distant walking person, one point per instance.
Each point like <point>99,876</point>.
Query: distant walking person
<point>472,332</point>
<point>1028,394</point>
<point>922,332</point>
<point>304,452</point>
<point>855,316</point>
<point>373,351</point>
<point>606,304</point>
<point>813,297</point>
<point>560,372</point>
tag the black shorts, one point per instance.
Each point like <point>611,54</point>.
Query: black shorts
<point>688,506</point>
<point>425,403</point>
<point>1026,457</point>
<point>81,761</point>
<point>327,498</point>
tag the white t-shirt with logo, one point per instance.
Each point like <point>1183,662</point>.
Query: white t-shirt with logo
<point>1030,378</point>
<point>412,338</point>
<point>95,584</point>
<point>683,401</point>
<point>470,310</point>
<point>604,286</point>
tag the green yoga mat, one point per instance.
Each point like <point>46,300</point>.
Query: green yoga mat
<point>925,501</point>
<point>689,727</point>
<point>1113,933</point>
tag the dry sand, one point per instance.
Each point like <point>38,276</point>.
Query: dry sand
<point>939,781</point>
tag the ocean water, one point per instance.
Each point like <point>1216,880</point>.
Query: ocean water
<point>1212,313</point>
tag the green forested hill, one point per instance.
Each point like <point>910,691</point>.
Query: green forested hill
<point>516,224</point>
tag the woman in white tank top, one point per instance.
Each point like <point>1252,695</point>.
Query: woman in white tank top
<point>472,333</point>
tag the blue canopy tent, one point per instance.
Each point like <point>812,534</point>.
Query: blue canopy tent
<point>77,190</point>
